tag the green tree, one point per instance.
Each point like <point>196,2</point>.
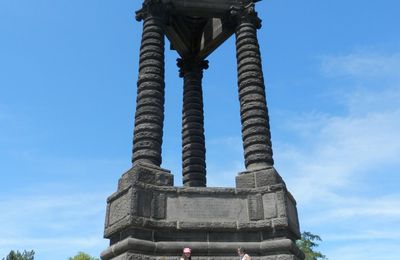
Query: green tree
<point>308,243</point>
<point>26,255</point>
<point>82,256</point>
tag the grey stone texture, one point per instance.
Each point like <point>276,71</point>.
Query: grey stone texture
<point>253,108</point>
<point>258,178</point>
<point>149,117</point>
<point>193,143</point>
<point>147,217</point>
<point>155,219</point>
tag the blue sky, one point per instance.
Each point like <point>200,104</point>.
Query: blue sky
<point>68,72</point>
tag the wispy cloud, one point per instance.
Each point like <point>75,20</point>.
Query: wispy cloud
<point>364,137</point>
<point>338,170</point>
<point>364,64</point>
<point>52,221</point>
<point>364,250</point>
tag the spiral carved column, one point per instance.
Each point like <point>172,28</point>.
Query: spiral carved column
<point>253,108</point>
<point>149,117</point>
<point>193,144</point>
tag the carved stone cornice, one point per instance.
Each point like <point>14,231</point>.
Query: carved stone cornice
<point>191,64</point>
<point>153,8</point>
<point>247,13</point>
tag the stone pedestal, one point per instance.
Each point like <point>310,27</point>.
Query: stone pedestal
<point>148,218</point>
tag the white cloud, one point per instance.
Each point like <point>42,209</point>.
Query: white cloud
<point>373,250</point>
<point>363,235</point>
<point>59,222</point>
<point>338,147</point>
<point>333,170</point>
<point>362,64</point>
<point>342,209</point>
<point>53,243</point>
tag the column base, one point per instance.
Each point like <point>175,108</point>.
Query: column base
<point>130,248</point>
<point>258,178</point>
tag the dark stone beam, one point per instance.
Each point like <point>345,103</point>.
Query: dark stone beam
<point>177,34</point>
<point>216,32</point>
<point>205,8</point>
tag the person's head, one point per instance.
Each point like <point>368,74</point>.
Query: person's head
<point>241,251</point>
<point>187,251</point>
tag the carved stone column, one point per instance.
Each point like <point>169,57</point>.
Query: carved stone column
<point>253,108</point>
<point>193,145</point>
<point>149,117</point>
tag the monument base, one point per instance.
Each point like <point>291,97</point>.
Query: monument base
<point>148,218</point>
<point>130,248</point>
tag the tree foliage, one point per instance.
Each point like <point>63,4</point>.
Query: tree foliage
<point>308,244</point>
<point>16,255</point>
<point>82,256</point>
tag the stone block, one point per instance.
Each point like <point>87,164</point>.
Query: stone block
<point>159,206</point>
<point>270,257</point>
<point>119,208</point>
<point>245,181</point>
<point>255,207</point>
<point>269,203</point>
<point>263,177</point>
<point>234,237</point>
<point>144,202</point>
<point>293,217</point>
<point>280,223</point>
<point>266,177</point>
<point>137,233</point>
<point>255,225</point>
<point>286,257</point>
<point>208,226</point>
<point>147,174</point>
<point>206,208</point>
<point>281,203</point>
<point>180,236</point>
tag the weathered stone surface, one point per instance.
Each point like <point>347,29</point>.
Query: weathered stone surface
<point>146,174</point>
<point>120,207</point>
<point>255,206</point>
<point>255,122</point>
<point>150,105</point>
<point>159,206</point>
<point>145,198</point>
<point>261,177</point>
<point>203,250</point>
<point>245,181</point>
<point>210,208</point>
<point>269,203</point>
<point>292,215</point>
<point>264,225</point>
<point>194,173</point>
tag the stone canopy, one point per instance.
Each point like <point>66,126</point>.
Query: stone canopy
<point>199,26</point>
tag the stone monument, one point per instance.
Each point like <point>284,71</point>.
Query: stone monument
<point>147,217</point>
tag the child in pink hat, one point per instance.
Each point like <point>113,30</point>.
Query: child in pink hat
<point>186,254</point>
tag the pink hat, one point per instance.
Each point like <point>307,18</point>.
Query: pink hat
<point>187,250</point>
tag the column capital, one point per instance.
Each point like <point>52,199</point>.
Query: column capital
<point>245,13</point>
<point>152,8</point>
<point>191,64</point>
